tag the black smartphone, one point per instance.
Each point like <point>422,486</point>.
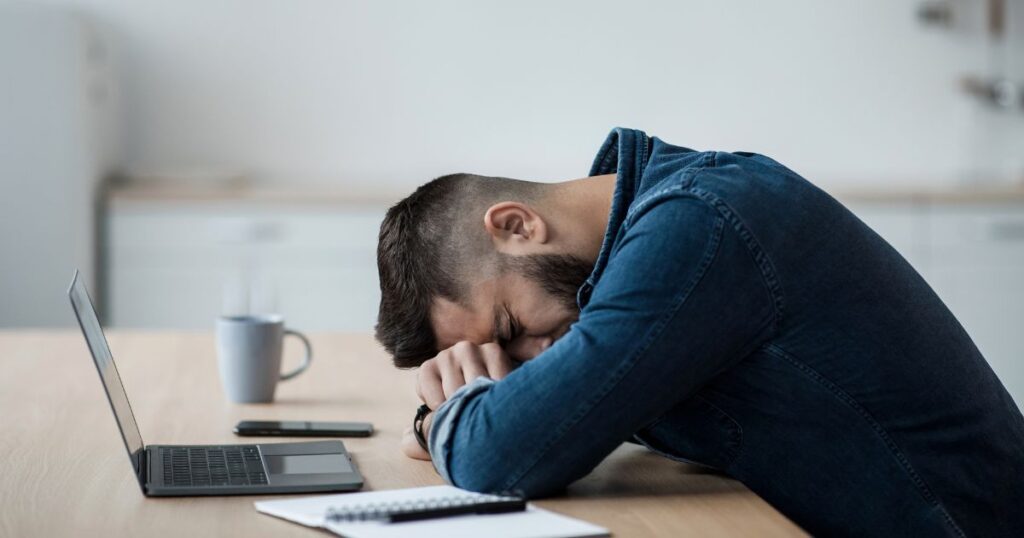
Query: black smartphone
<point>289,428</point>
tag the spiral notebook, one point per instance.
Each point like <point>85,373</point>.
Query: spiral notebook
<point>533,523</point>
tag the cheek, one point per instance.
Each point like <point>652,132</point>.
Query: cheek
<point>554,320</point>
<point>543,315</point>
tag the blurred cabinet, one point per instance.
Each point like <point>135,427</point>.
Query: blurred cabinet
<point>170,265</point>
<point>972,254</point>
<point>180,265</point>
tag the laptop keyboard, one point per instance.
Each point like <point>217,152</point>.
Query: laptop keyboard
<point>233,465</point>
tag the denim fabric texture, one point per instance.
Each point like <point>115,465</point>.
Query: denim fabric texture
<point>740,318</point>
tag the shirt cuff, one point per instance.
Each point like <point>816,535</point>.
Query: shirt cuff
<point>442,426</point>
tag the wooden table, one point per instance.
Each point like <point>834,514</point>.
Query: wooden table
<point>66,473</point>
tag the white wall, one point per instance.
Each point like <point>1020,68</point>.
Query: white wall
<point>51,157</point>
<point>398,92</point>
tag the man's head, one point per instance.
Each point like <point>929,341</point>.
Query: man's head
<point>476,258</point>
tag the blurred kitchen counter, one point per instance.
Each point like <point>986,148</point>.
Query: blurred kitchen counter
<point>982,193</point>
<point>176,255</point>
<point>171,249</point>
<point>362,194</point>
<point>241,192</point>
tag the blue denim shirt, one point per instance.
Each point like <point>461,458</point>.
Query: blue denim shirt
<point>740,318</point>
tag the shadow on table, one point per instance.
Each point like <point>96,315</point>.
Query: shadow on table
<point>633,471</point>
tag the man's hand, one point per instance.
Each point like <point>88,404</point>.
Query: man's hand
<point>458,365</point>
<point>410,446</point>
<point>440,377</point>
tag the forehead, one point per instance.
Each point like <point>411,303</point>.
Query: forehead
<point>475,321</point>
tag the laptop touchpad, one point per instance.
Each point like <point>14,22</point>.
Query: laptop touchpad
<point>307,464</point>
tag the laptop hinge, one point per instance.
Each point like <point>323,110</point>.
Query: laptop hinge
<point>144,470</point>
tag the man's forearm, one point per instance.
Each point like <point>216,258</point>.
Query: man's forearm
<point>442,425</point>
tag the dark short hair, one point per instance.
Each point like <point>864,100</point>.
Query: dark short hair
<point>431,244</point>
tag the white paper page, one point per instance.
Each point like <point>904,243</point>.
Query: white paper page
<point>310,511</point>
<point>533,523</point>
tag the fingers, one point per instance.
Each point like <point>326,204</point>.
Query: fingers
<point>428,384</point>
<point>451,373</point>
<point>496,361</point>
<point>469,357</point>
<point>439,378</point>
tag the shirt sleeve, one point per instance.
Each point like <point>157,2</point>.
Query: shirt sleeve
<point>445,417</point>
<point>682,298</point>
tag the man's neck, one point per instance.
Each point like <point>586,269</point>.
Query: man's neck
<point>582,210</point>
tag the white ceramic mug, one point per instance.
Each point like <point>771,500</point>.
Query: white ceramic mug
<point>249,356</point>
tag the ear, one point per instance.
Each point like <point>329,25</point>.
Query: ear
<point>515,228</point>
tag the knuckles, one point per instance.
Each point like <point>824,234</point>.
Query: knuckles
<point>463,346</point>
<point>432,373</point>
<point>444,357</point>
<point>491,347</point>
<point>428,366</point>
<point>490,355</point>
<point>463,352</point>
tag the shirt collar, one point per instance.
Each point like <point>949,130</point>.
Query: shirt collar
<point>624,152</point>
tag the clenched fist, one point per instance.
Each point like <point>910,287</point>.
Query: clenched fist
<point>440,377</point>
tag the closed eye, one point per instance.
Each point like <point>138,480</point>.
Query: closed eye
<point>515,329</point>
<point>511,328</point>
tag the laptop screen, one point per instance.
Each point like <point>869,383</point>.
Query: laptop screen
<point>86,314</point>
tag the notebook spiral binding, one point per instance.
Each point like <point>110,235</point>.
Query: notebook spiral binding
<point>390,511</point>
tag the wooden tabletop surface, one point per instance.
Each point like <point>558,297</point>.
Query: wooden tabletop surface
<point>66,472</point>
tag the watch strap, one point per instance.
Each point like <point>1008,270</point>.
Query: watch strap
<point>417,426</point>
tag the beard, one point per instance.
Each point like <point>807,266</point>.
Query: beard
<point>560,275</point>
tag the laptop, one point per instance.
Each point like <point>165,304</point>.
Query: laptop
<point>188,470</point>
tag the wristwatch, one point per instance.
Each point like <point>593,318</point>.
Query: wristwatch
<point>417,426</point>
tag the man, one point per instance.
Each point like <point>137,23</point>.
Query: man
<point>715,307</point>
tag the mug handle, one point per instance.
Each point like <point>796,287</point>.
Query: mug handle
<point>305,361</point>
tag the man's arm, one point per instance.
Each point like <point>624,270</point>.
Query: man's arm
<point>682,299</point>
<point>440,377</point>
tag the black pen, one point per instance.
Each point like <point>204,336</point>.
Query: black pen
<point>491,507</point>
<point>499,505</point>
